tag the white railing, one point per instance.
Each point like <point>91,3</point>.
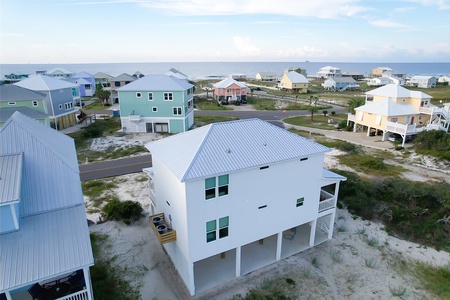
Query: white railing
<point>80,295</point>
<point>426,110</point>
<point>396,127</point>
<point>351,117</point>
<point>329,201</point>
<point>135,118</point>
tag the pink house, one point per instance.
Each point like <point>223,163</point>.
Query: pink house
<point>230,90</point>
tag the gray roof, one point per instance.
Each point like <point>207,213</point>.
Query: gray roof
<point>44,83</point>
<point>387,107</point>
<point>341,79</point>
<point>327,174</point>
<point>82,75</point>
<point>47,245</point>
<point>103,75</point>
<point>227,147</point>
<point>396,91</point>
<point>124,77</point>
<point>59,71</point>
<point>6,113</point>
<point>295,77</point>
<point>157,83</point>
<point>223,84</point>
<point>11,92</point>
<point>11,175</point>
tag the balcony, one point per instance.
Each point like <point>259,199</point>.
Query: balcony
<point>135,118</point>
<point>351,117</point>
<point>327,201</point>
<point>161,229</point>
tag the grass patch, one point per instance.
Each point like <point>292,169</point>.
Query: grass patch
<point>340,145</point>
<point>435,279</point>
<point>209,104</point>
<point>369,164</point>
<point>108,279</point>
<point>205,120</point>
<point>95,188</point>
<point>126,211</point>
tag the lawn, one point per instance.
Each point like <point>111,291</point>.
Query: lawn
<point>204,104</point>
<point>205,120</point>
<point>319,121</point>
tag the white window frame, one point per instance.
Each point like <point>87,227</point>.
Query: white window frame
<point>35,103</point>
<point>60,106</point>
<point>177,111</point>
<point>150,96</point>
<point>11,103</point>
<point>168,96</point>
<point>138,95</point>
<point>155,109</point>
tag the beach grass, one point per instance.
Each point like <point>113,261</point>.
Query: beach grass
<point>319,121</point>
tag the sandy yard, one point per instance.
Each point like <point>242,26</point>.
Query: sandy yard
<point>358,263</point>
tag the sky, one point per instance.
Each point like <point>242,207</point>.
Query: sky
<point>110,31</point>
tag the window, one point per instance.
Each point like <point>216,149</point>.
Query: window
<point>154,109</point>
<point>35,103</point>
<point>60,106</point>
<point>189,103</point>
<point>211,229</point>
<point>68,105</point>
<point>150,96</point>
<point>11,103</point>
<point>116,83</point>
<point>210,188</point>
<point>177,111</point>
<point>87,86</point>
<point>168,96</point>
<point>138,95</point>
<point>300,201</point>
<point>223,185</point>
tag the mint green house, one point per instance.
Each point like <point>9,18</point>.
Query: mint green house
<point>156,103</point>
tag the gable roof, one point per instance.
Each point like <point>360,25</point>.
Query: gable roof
<point>11,176</point>
<point>339,79</point>
<point>387,107</point>
<point>44,83</point>
<point>422,77</point>
<point>81,81</point>
<point>396,91</point>
<point>11,92</point>
<point>223,84</point>
<point>227,147</point>
<point>82,75</point>
<point>157,83</point>
<point>124,77</point>
<point>177,74</point>
<point>7,112</point>
<point>103,75</point>
<point>59,71</point>
<point>295,77</point>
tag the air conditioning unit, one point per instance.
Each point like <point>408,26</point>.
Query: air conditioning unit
<point>162,228</point>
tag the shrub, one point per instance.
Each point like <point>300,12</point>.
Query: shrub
<point>126,211</point>
<point>342,124</point>
<point>92,132</point>
<point>325,112</point>
<point>333,112</point>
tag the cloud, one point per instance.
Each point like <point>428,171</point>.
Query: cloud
<point>441,4</point>
<point>387,24</point>
<point>244,46</point>
<point>303,8</point>
<point>403,9</point>
<point>11,34</point>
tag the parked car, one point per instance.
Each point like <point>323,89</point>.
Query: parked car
<point>395,137</point>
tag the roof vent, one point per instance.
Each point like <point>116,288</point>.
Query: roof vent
<point>228,150</point>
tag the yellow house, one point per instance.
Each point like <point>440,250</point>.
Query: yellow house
<point>294,82</point>
<point>392,108</point>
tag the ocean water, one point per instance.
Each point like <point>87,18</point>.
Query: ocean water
<point>200,70</point>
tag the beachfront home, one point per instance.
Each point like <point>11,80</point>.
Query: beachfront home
<point>117,82</point>
<point>86,83</point>
<point>293,82</point>
<point>296,69</point>
<point>379,71</point>
<point>329,71</point>
<point>138,75</point>
<point>14,77</point>
<point>422,81</point>
<point>239,196</point>
<point>378,81</point>
<point>45,246</point>
<point>444,79</point>
<point>354,75</point>
<point>15,98</point>
<point>103,79</point>
<point>340,84</point>
<point>230,90</point>
<point>61,97</point>
<point>156,103</point>
<point>177,74</point>
<point>267,76</point>
<point>238,76</point>
<point>60,73</point>
<point>394,109</point>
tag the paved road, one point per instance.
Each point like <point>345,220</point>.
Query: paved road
<point>115,167</point>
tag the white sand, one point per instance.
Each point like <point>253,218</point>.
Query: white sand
<point>150,269</point>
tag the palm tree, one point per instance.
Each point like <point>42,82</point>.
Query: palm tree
<point>313,98</point>
<point>313,109</point>
<point>354,103</point>
<point>103,95</point>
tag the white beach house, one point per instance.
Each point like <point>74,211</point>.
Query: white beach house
<point>236,196</point>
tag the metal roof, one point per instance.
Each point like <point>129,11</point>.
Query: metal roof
<point>6,113</point>
<point>11,92</point>
<point>44,83</point>
<point>387,107</point>
<point>51,172</point>
<point>341,79</point>
<point>157,83</point>
<point>47,245</point>
<point>295,77</point>
<point>100,75</point>
<point>227,82</point>
<point>10,177</point>
<point>59,71</point>
<point>396,91</point>
<point>327,174</point>
<point>226,147</point>
<point>123,77</point>
<point>82,75</point>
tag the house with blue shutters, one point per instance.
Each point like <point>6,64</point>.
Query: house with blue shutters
<point>232,197</point>
<point>45,248</point>
<point>86,83</point>
<point>156,103</point>
<point>61,98</point>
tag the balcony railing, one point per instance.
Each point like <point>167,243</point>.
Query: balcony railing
<point>167,237</point>
<point>351,117</point>
<point>135,118</point>
<point>327,201</point>
<point>80,295</point>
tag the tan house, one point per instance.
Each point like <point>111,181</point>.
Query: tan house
<point>379,71</point>
<point>394,109</point>
<point>294,82</point>
<point>117,82</point>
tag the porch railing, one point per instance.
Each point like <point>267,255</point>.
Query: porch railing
<point>351,117</point>
<point>80,295</point>
<point>327,201</point>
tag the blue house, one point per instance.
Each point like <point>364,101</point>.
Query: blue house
<point>86,83</point>
<point>61,98</point>
<point>45,246</point>
<point>340,83</point>
<point>156,103</point>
